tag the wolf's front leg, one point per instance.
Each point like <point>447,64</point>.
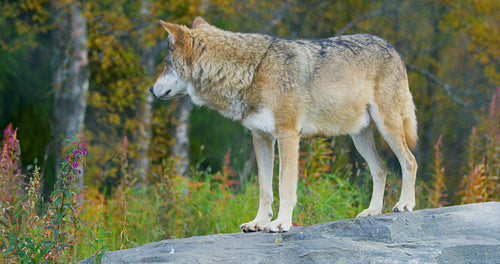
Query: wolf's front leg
<point>288,144</point>
<point>264,153</point>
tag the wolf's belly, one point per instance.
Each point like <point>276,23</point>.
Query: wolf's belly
<point>264,120</point>
<point>330,127</point>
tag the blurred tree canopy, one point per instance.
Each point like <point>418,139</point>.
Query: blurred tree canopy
<point>452,51</point>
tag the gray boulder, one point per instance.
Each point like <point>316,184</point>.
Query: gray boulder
<point>457,234</point>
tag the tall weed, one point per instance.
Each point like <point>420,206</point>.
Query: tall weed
<point>30,237</point>
<point>11,182</point>
<point>481,182</point>
<point>10,168</point>
<point>436,190</point>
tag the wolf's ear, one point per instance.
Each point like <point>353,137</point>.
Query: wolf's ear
<point>198,21</point>
<point>176,31</point>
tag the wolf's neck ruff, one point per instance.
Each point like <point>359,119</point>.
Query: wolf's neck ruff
<point>223,68</point>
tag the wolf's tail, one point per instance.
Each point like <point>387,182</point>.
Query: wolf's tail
<point>410,126</point>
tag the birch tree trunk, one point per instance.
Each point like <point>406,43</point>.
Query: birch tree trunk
<point>71,74</point>
<point>181,146</point>
<point>146,106</point>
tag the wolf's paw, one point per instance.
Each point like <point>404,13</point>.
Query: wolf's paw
<point>403,206</point>
<point>277,226</point>
<point>370,212</point>
<point>253,226</point>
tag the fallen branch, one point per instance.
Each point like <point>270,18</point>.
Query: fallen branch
<point>447,87</point>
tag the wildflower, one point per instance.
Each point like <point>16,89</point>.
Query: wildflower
<point>10,165</point>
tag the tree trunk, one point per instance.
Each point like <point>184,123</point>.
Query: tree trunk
<point>145,115</point>
<point>146,105</point>
<point>71,75</point>
<point>181,146</point>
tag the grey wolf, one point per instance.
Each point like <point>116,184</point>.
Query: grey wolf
<point>284,90</point>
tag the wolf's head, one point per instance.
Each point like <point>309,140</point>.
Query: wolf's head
<point>170,83</point>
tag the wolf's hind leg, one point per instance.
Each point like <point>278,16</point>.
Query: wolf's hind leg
<point>264,153</point>
<point>392,129</point>
<point>409,168</point>
<point>365,145</point>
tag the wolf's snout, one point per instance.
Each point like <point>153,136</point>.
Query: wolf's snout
<point>151,89</point>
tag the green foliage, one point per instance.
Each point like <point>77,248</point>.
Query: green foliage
<point>206,203</point>
<point>20,23</point>
<point>480,21</point>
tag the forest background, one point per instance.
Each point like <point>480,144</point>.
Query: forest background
<point>151,169</point>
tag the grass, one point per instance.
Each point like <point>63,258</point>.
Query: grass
<point>76,224</point>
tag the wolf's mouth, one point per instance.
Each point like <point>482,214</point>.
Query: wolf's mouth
<point>165,95</point>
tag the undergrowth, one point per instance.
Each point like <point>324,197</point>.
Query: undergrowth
<point>77,223</point>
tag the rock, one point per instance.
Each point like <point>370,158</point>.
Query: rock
<point>458,234</point>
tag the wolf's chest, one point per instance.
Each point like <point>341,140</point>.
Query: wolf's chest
<point>262,120</point>
<point>232,109</point>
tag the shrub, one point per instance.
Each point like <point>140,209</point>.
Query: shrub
<point>481,182</point>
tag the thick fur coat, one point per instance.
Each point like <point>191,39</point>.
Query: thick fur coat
<point>284,90</point>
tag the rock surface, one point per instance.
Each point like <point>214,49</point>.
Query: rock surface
<point>458,234</point>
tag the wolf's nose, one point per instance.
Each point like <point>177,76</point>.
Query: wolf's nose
<point>151,89</point>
